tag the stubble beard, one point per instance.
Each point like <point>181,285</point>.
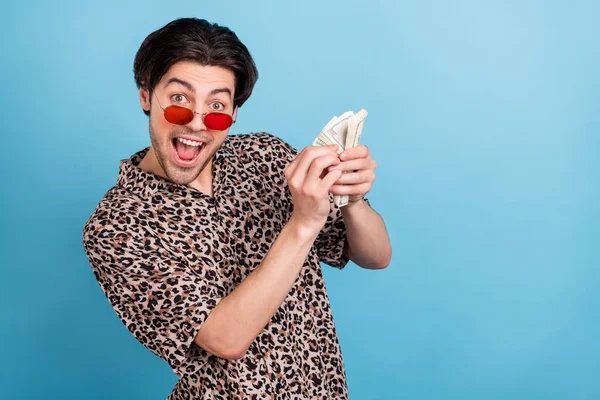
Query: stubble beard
<point>175,173</point>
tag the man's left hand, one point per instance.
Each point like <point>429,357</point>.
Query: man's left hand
<point>358,181</point>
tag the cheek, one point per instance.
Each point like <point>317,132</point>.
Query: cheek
<point>219,138</point>
<point>160,141</point>
<point>160,127</point>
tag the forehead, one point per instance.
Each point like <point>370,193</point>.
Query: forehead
<point>202,78</point>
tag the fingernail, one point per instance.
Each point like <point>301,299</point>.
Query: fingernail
<point>344,156</point>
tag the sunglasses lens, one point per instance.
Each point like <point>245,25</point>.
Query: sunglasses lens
<point>218,121</point>
<point>178,115</point>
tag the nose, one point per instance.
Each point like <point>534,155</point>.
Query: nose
<point>197,123</point>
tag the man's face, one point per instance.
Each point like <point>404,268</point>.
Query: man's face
<point>183,151</point>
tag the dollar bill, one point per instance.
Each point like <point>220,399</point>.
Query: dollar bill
<point>335,132</point>
<point>321,141</point>
<point>345,131</point>
<point>355,127</point>
<point>354,132</point>
<point>339,129</point>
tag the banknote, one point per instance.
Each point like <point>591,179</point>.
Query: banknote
<point>334,132</point>
<point>355,127</point>
<point>345,131</point>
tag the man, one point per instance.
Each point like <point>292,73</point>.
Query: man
<point>208,246</point>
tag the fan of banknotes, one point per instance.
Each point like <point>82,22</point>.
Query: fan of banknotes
<point>345,131</point>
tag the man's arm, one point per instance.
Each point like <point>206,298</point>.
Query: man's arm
<point>239,318</point>
<point>367,240</point>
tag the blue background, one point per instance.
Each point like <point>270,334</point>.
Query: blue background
<point>484,122</point>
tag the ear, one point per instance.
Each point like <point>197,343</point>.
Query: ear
<point>234,115</point>
<point>145,99</point>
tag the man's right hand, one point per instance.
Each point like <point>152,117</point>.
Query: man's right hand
<point>309,181</point>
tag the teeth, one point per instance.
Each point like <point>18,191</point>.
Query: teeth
<point>189,142</point>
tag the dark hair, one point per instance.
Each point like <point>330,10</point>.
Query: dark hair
<point>197,40</point>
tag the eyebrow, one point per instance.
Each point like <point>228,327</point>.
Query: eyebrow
<point>189,87</point>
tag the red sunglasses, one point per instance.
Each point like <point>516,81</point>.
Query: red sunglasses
<point>182,116</point>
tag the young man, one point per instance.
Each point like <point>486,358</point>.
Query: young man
<point>208,246</point>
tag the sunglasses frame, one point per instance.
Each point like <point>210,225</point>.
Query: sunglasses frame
<point>202,115</point>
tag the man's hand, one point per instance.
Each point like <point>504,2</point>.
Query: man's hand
<point>358,182</point>
<point>310,181</point>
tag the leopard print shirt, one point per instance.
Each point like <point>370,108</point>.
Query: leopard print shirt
<point>165,255</point>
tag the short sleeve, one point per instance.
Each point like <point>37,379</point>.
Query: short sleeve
<point>332,238</point>
<point>154,293</point>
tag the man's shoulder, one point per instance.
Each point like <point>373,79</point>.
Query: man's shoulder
<point>118,207</point>
<point>241,139</point>
<point>263,143</point>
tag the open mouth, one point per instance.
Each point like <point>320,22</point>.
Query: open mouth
<point>186,151</point>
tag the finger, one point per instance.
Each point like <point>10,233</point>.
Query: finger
<point>358,164</point>
<point>361,189</point>
<point>293,166</point>
<point>356,178</point>
<point>308,155</point>
<point>319,165</point>
<point>360,151</point>
<point>292,179</point>
<point>330,178</point>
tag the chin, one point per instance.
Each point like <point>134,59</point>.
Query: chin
<point>186,175</point>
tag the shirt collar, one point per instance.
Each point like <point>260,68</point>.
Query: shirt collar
<point>147,185</point>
